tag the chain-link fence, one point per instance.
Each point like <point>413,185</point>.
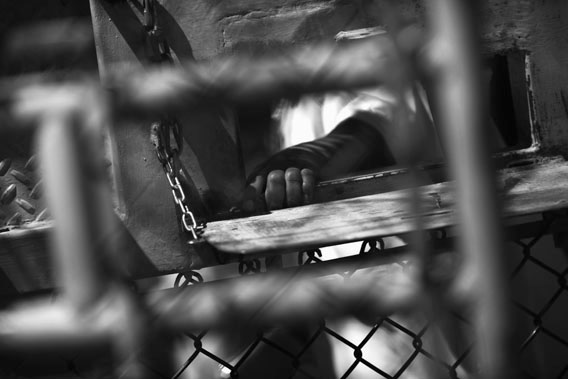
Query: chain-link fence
<point>405,345</point>
<point>100,320</point>
<point>540,335</point>
<point>539,284</point>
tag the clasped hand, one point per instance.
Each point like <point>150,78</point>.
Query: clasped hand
<point>280,189</point>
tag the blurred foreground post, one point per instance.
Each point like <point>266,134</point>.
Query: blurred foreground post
<point>481,284</point>
<point>71,120</point>
<point>73,178</point>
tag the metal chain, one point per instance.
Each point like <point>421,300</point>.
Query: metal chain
<point>312,256</point>
<point>438,234</point>
<point>168,157</point>
<point>158,46</point>
<point>190,277</point>
<point>373,245</point>
<point>251,266</point>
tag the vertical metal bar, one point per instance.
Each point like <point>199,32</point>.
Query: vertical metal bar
<point>70,148</point>
<point>413,150</point>
<point>482,280</point>
<point>68,174</point>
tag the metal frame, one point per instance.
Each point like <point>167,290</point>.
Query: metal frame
<point>97,306</point>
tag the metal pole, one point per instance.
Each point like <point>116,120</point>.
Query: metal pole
<point>86,261</point>
<point>238,79</point>
<point>455,70</point>
<point>71,177</point>
<point>246,80</point>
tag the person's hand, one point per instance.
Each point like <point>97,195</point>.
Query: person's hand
<point>280,189</point>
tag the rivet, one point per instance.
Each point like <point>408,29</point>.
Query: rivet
<point>9,194</point>
<point>15,220</point>
<point>20,176</point>
<point>42,215</point>
<point>36,191</point>
<point>25,205</point>
<point>31,163</point>
<point>4,166</point>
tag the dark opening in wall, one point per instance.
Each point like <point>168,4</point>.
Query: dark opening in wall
<point>508,97</point>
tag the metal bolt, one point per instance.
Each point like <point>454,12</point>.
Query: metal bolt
<point>4,166</point>
<point>9,194</point>
<point>25,205</point>
<point>15,220</point>
<point>31,164</point>
<point>36,191</point>
<point>20,176</point>
<point>42,215</point>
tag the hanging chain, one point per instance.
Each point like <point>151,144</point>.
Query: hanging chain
<point>159,52</point>
<point>168,157</point>
<point>312,256</point>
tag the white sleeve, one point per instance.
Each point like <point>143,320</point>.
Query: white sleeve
<point>377,107</point>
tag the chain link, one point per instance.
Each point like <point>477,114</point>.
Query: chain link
<point>162,131</point>
<point>159,49</point>
<point>190,277</point>
<point>249,266</point>
<point>312,256</point>
<point>168,155</point>
<point>372,246</point>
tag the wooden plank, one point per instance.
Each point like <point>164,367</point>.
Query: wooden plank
<point>24,255</point>
<point>24,258</point>
<point>525,192</point>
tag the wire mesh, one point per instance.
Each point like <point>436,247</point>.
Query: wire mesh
<point>398,346</point>
<point>409,345</point>
<point>409,339</point>
<point>541,303</point>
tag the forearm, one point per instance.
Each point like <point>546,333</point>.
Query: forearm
<point>353,145</point>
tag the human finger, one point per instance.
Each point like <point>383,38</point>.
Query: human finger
<point>293,180</point>
<point>308,185</point>
<point>253,197</point>
<point>275,190</point>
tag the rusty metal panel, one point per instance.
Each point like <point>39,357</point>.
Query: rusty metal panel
<point>20,187</point>
<point>210,156</point>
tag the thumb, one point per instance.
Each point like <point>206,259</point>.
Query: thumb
<point>253,195</point>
